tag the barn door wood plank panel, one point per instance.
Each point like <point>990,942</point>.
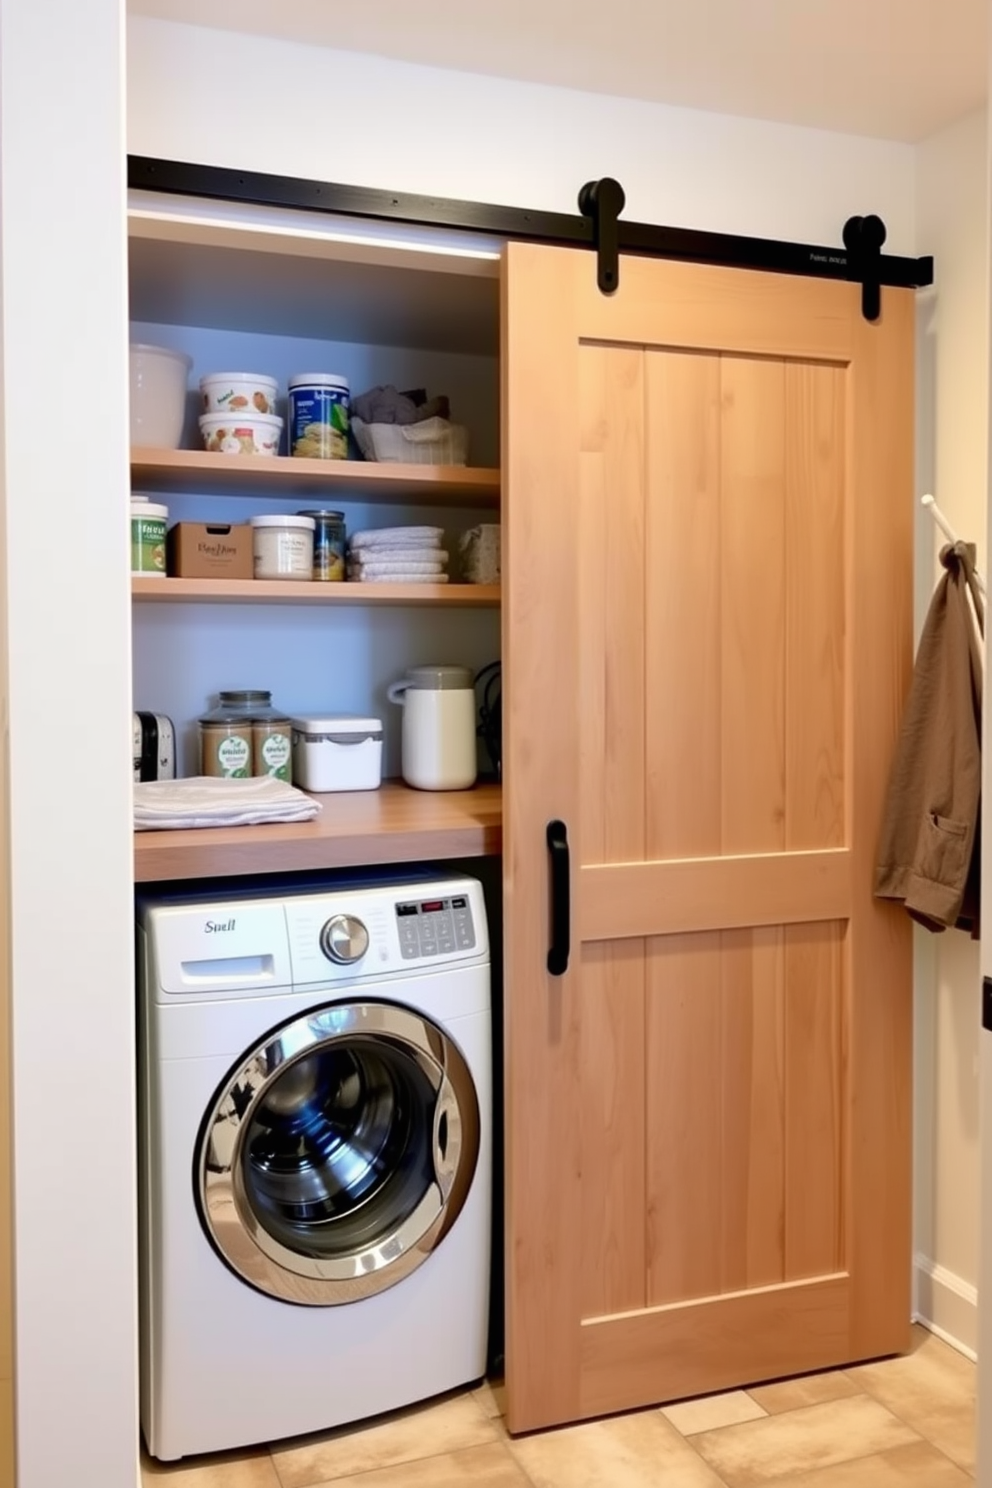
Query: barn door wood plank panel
<point>611,563</point>
<point>815,1098</point>
<point>816,625</point>
<point>682,557</point>
<point>684,1136</point>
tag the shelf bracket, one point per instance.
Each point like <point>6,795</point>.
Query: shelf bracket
<point>863,239</point>
<point>602,202</point>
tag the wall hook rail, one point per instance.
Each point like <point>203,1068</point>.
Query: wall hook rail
<point>602,202</point>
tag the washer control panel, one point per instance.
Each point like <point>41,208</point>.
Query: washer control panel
<point>199,948</point>
<point>431,927</point>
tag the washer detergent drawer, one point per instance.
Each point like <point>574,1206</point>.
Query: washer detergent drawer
<point>233,950</point>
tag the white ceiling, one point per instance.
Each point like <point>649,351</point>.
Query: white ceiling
<point>895,69</point>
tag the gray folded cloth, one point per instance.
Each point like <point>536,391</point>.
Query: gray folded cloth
<point>387,405</point>
<point>205,801</point>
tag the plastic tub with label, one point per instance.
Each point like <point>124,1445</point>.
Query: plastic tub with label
<point>241,393</point>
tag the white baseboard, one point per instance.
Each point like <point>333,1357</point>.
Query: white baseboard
<point>946,1304</point>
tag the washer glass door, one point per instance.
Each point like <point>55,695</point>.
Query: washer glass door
<point>338,1153</point>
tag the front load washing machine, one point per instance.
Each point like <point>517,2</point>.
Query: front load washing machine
<point>315,1156</point>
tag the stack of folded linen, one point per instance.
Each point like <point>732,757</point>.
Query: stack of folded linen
<point>398,555</point>
<point>205,801</point>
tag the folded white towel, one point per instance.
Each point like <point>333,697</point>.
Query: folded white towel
<point>204,801</point>
<point>407,576</point>
<point>398,555</point>
<point>398,537</point>
<point>410,564</point>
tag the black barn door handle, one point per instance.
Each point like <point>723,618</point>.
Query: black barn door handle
<point>560,898</point>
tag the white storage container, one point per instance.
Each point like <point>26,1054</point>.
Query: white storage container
<point>438,741</point>
<point>158,395</point>
<point>239,393</point>
<point>282,546</point>
<point>337,752</point>
<point>241,434</point>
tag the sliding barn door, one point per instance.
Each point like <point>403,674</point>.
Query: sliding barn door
<point>707,641</point>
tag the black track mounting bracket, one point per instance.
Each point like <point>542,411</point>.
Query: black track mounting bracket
<point>602,202</point>
<point>863,239</point>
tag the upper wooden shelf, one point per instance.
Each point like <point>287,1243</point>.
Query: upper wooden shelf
<point>392,825</point>
<point>282,475</point>
<point>294,592</point>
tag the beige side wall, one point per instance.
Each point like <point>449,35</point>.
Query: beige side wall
<point>7,1473</point>
<point>952,215</point>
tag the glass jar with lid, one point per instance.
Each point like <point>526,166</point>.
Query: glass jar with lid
<point>328,544</point>
<point>245,735</point>
<point>272,741</point>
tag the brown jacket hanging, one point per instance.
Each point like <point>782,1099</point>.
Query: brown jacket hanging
<point>929,851</point>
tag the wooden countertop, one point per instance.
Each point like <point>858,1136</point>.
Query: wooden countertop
<point>392,825</point>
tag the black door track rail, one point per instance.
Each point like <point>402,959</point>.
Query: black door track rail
<point>599,226</point>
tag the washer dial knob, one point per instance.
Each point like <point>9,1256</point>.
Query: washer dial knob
<point>344,939</point>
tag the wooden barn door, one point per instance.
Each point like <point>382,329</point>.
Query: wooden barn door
<point>707,641</point>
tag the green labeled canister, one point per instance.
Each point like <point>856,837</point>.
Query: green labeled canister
<point>148,524</point>
<point>272,740</point>
<point>226,741</point>
<point>245,735</point>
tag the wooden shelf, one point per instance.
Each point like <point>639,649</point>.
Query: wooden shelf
<point>277,476</point>
<point>275,591</point>
<point>391,825</point>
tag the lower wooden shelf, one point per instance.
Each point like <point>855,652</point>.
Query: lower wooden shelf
<point>275,591</point>
<point>392,825</point>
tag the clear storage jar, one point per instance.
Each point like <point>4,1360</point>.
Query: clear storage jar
<point>225,737</point>
<point>328,544</point>
<point>245,735</point>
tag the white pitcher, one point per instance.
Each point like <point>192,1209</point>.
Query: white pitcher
<point>438,746</point>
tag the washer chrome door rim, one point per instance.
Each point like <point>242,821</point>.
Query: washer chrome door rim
<point>402,1065</point>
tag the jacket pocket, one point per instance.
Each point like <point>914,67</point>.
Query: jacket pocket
<point>944,855</point>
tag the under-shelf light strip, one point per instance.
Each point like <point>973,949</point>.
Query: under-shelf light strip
<point>303,226</point>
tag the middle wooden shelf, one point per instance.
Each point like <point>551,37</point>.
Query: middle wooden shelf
<point>280,476</point>
<point>278,591</point>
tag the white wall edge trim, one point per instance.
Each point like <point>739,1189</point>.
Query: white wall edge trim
<point>946,1305</point>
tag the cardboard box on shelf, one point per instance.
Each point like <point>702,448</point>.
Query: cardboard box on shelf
<point>209,550</point>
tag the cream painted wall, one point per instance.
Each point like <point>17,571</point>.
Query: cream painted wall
<point>64,483</point>
<point>952,216</point>
<point>254,103</point>
<point>7,1473</point>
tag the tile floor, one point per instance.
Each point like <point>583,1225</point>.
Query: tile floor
<point>903,1423</point>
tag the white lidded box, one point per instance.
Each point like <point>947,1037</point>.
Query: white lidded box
<point>337,752</point>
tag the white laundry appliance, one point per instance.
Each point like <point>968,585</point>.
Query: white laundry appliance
<point>315,1188</point>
